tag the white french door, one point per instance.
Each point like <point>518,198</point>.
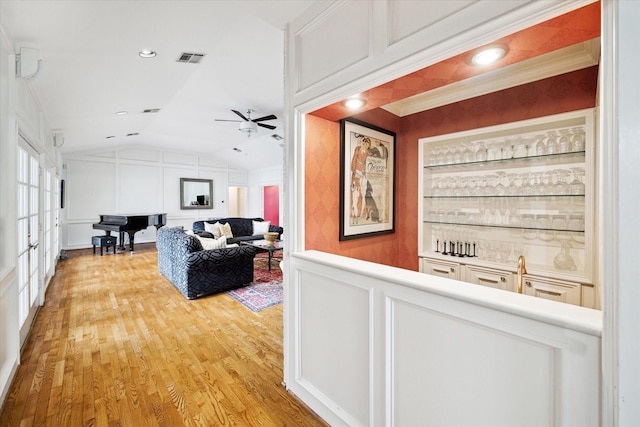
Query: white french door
<point>28,236</point>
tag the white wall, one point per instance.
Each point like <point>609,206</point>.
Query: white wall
<point>391,39</point>
<point>19,114</point>
<point>144,180</point>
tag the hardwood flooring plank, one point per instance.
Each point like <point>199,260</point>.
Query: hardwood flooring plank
<point>117,345</point>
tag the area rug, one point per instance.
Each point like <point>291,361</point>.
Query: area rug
<point>266,289</point>
<point>259,296</point>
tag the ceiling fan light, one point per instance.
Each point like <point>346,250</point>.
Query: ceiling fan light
<point>248,128</point>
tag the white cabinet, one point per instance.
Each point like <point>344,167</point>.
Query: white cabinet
<point>555,290</point>
<point>498,279</point>
<point>440,268</point>
<point>490,195</point>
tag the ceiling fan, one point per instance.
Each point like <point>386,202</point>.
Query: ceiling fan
<point>249,125</point>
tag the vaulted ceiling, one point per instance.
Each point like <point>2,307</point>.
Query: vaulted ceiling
<point>91,70</point>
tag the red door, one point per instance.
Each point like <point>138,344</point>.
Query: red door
<point>272,204</point>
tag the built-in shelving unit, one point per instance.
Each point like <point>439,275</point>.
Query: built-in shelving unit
<point>491,195</point>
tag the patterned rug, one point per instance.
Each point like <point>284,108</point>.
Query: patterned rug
<point>259,296</point>
<point>266,289</point>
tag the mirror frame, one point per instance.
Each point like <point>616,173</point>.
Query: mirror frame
<point>184,182</point>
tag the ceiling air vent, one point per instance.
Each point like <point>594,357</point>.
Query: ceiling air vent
<point>151,110</point>
<point>190,58</point>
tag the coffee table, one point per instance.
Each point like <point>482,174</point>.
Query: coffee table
<point>263,245</point>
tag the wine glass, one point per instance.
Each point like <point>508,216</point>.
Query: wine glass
<point>551,142</point>
<point>541,147</point>
<point>576,186</point>
<point>564,141</point>
<point>577,139</point>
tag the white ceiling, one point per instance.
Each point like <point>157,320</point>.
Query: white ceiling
<point>91,69</point>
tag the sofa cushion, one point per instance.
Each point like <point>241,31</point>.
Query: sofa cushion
<point>260,227</point>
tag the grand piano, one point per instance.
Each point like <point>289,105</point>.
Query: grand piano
<point>129,224</point>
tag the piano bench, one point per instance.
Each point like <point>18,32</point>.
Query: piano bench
<point>104,242</point>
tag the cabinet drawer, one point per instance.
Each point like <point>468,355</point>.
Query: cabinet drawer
<point>555,290</point>
<point>436,267</point>
<point>489,277</point>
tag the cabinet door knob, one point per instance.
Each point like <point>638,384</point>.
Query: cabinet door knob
<point>503,279</point>
<point>528,283</point>
<point>453,270</point>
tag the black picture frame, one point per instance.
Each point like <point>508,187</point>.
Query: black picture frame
<point>367,180</point>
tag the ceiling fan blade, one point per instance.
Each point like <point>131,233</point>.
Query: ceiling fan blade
<point>240,114</point>
<point>266,126</point>
<point>225,120</point>
<point>269,117</point>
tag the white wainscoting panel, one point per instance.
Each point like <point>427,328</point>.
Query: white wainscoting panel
<point>180,158</point>
<point>341,33</point>
<point>369,344</point>
<point>90,189</point>
<point>171,181</point>
<point>220,193</point>
<point>140,189</point>
<point>409,17</point>
<point>330,328</point>
<point>9,332</point>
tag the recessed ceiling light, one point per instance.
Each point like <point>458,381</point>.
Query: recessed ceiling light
<point>354,103</point>
<point>488,55</point>
<point>146,53</point>
<point>133,134</point>
<point>110,136</point>
<point>122,113</point>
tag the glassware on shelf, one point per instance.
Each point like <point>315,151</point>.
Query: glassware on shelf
<point>468,154</point>
<point>564,141</point>
<point>577,139</point>
<point>529,224</point>
<point>543,222</point>
<point>559,222</point>
<point>521,148</point>
<point>576,186</point>
<point>481,152</point>
<point>564,261</point>
<point>541,147</point>
<point>551,142</point>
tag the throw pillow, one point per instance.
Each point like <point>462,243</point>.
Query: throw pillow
<point>260,227</point>
<point>213,229</point>
<point>226,230</point>
<point>204,234</point>
<point>208,244</point>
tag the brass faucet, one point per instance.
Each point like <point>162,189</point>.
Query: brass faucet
<point>522,269</point>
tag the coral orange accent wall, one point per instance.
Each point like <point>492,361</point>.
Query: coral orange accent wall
<point>568,92</point>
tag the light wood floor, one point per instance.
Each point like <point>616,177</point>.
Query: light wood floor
<point>117,345</point>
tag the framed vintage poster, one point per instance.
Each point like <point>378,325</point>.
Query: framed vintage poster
<point>367,180</point>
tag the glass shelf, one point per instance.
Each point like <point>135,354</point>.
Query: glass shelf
<point>502,226</point>
<point>508,196</point>
<point>568,157</point>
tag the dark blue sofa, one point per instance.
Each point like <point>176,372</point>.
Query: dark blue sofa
<point>241,228</point>
<point>196,272</point>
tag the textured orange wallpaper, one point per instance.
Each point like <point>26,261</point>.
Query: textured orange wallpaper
<point>569,92</point>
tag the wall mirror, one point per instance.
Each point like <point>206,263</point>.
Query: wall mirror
<point>196,193</point>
